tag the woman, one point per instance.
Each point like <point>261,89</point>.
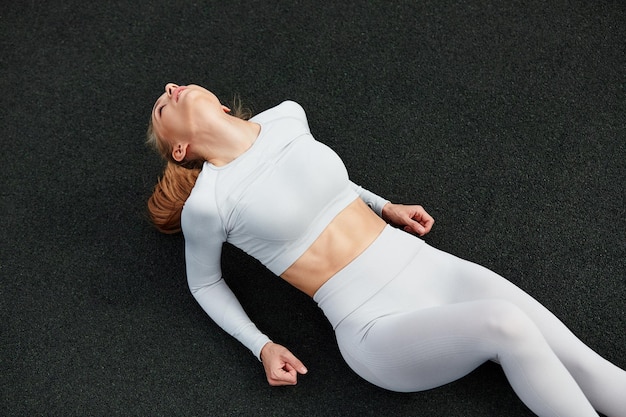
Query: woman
<point>407,317</point>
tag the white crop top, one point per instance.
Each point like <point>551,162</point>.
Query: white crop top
<point>272,202</point>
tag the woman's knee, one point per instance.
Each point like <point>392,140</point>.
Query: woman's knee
<point>507,322</point>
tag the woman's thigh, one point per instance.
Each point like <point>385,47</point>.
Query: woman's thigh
<point>443,316</point>
<point>438,297</point>
<point>448,279</point>
<point>426,348</point>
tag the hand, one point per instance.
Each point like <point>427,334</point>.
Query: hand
<point>281,366</point>
<point>414,219</point>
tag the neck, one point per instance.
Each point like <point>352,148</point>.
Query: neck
<point>230,141</point>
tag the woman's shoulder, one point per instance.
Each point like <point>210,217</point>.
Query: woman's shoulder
<point>201,214</point>
<point>287,108</point>
<point>201,201</point>
<point>291,106</point>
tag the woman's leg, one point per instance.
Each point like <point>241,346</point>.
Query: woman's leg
<point>603,383</point>
<point>444,316</point>
<point>426,348</point>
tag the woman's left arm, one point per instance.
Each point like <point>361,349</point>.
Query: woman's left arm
<point>413,218</point>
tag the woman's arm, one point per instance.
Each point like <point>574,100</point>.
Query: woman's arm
<point>375,202</point>
<point>218,301</point>
<point>412,218</point>
<point>203,249</point>
<point>204,237</point>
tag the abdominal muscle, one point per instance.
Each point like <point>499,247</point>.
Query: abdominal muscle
<point>344,239</point>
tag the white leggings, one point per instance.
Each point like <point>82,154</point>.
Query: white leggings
<point>409,317</point>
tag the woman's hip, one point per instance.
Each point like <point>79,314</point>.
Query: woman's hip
<point>359,281</point>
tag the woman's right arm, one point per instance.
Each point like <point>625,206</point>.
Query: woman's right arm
<point>204,239</point>
<point>219,302</point>
<point>203,251</point>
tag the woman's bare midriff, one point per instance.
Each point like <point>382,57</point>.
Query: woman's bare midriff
<point>344,239</point>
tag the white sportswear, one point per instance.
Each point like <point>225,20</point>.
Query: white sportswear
<point>407,316</point>
<point>272,202</point>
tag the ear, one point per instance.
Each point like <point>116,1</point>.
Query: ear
<point>226,109</point>
<point>180,152</point>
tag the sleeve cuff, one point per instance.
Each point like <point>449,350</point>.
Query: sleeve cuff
<point>375,202</point>
<point>258,344</point>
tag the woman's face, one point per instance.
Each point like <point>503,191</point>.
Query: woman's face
<point>182,111</point>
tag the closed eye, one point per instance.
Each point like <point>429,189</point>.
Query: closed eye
<point>160,110</point>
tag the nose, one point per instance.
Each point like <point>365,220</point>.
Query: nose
<point>169,88</point>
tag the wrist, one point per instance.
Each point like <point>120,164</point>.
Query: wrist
<point>264,350</point>
<point>386,211</point>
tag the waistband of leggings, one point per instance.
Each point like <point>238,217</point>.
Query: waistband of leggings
<point>362,278</point>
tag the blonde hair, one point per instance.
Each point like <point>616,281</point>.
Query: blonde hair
<point>165,205</point>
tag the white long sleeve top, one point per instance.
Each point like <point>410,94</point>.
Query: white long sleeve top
<point>272,202</point>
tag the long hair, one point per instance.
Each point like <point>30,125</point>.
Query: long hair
<point>165,205</point>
